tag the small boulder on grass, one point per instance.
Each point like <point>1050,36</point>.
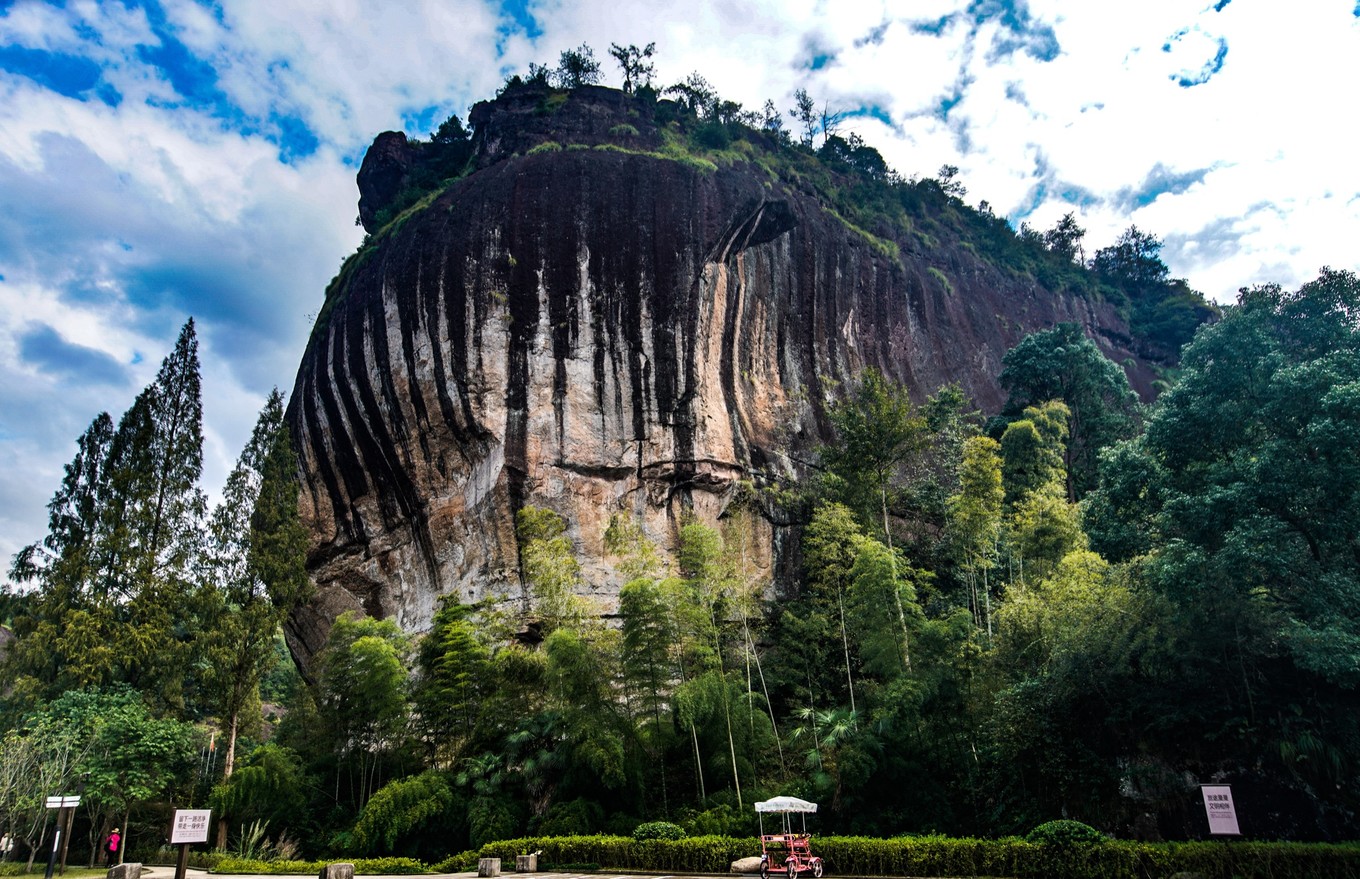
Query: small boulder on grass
<point>746,865</point>
<point>125,871</point>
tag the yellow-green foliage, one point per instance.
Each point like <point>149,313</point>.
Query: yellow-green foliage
<point>942,278</point>
<point>683,158</point>
<point>365,866</point>
<point>548,146</point>
<point>881,246</point>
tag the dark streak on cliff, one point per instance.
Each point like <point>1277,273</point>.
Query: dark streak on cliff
<point>554,319</point>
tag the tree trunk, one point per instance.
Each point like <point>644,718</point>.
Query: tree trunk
<point>698,763</point>
<point>987,596</point>
<point>228,766</point>
<point>731,746</point>
<point>845,644</point>
<point>768,709</point>
<point>897,596</point>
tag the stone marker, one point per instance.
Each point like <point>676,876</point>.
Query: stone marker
<point>746,865</point>
<point>337,871</point>
<point>125,871</point>
<point>526,863</point>
<point>488,867</point>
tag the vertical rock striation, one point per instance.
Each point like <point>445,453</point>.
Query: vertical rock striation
<point>600,331</point>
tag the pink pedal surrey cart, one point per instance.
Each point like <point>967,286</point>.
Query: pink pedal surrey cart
<point>787,851</point>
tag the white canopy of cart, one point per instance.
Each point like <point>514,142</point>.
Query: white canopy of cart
<point>786,804</point>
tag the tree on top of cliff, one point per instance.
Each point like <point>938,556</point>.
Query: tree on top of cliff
<point>451,130</point>
<point>1065,237</point>
<point>1163,310</point>
<point>695,94</point>
<point>577,67</point>
<point>637,70</point>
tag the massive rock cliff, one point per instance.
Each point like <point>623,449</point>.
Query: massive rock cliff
<point>593,322</point>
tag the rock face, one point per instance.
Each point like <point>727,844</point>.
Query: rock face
<point>601,332</point>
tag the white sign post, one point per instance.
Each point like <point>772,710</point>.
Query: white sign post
<point>190,825</point>
<point>1218,805</point>
<point>63,831</point>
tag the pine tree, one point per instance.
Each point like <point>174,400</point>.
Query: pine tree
<point>113,600</point>
<point>254,572</point>
<point>153,522</point>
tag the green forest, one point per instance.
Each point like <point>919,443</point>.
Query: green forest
<point>1081,607</point>
<point>1078,609</point>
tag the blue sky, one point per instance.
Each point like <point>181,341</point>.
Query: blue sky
<point>174,158</point>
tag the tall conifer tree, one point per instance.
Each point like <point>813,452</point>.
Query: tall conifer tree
<point>123,529</point>
<point>254,572</point>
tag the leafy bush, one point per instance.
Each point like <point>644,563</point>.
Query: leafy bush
<point>401,808</point>
<point>459,863</point>
<point>713,136</point>
<point>577,817</point>
<point>658,830</point>
<point>623,130</point>
<point>1064,832</point>
<point>386,866</point>
<point>248,865</point>
<point>721,820</point>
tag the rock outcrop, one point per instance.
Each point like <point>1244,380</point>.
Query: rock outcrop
<point>599,328</point>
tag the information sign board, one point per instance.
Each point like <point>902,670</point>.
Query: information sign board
<point>1218,805</point>
<point>191,825</point>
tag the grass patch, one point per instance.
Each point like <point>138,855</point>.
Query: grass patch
<point>548,146</point>
<point>882,246</point>
<point>684,158</point>
<point>942,278</point>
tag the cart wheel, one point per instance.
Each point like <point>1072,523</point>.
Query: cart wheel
<point>764,870</point>
<point>817,869</point>
<point>793,870</point>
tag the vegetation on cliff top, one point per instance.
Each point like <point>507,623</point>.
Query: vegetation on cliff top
<point>917,217</point>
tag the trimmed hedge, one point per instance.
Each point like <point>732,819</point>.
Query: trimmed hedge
<point>694,854</point>
<point>368,866</point>
<point>904,856</point>
<point>659,830</point>
<point>943,856</point>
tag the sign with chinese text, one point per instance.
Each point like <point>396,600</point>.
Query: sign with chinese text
<point>191,825</point>
<point>1218,805</point>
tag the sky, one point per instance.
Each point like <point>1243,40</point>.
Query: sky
<point>167,159</point>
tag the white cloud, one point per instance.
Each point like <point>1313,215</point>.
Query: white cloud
<point>119,221</point>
